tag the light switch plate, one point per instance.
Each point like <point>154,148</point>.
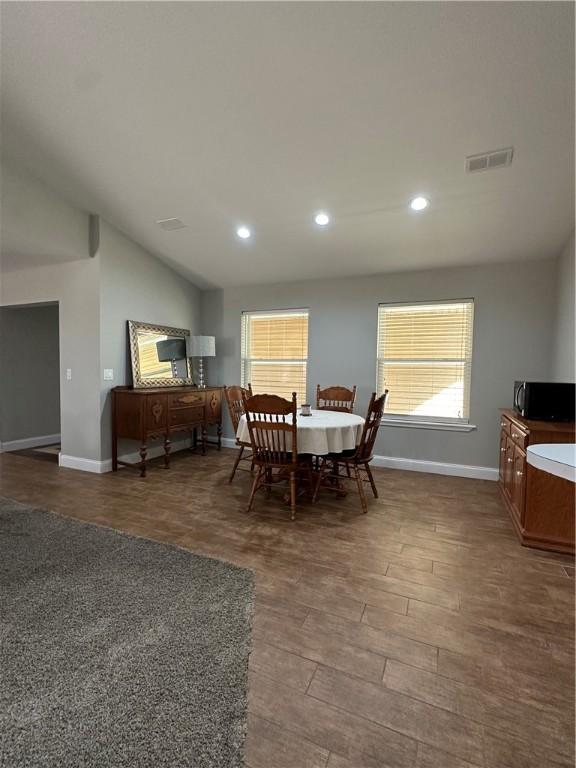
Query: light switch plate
<point>69,374</point>
<point>108,374</point>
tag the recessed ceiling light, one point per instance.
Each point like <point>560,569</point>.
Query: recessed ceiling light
<point>322,219</point>
<point>419,203</point>
<point>243,232</point>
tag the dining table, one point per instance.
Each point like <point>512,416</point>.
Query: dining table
<point>321,433</point>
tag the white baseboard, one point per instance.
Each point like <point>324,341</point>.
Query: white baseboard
<point>436,467</point>
<point>77,462</point>
<point>100,467</point>
<point>419,465</point>
<point>29,442</point>
<point>390,462</point>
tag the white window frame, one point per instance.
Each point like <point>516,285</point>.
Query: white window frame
<point>244,344</point>
<point>449,423</point>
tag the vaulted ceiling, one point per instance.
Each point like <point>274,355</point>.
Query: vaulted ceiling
<point>223,114</point>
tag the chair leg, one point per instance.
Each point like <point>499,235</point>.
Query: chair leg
<point>268,482</point>
<point>235,467</point>
<point>321,472</point>
<point>360,485</point>
<point>292,495</point>
<point>311,483</point>
<point>372,483</point>
<point>255,486</point>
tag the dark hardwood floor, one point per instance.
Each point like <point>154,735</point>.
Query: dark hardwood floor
<point>420,635</point>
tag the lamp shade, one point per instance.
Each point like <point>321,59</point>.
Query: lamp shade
<point>171,349</point>
<point>202,346</point>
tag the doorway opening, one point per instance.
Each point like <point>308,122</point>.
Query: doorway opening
<point>30,380</point>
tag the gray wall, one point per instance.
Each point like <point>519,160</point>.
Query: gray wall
<point>513,325</point>
<point>135,286</point>
<point>76,287</point>
<point>38,226</point>
<point>45,259</point>
<point>30,381</point>
<point>563,359</point>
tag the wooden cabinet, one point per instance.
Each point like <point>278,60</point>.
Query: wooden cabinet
<point>145,414</point>
<point>539,518</point>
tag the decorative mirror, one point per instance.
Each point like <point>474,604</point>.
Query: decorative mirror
<point>159,355</point>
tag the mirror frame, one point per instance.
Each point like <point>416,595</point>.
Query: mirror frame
<point>137,381</point>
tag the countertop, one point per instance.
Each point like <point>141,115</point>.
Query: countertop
<point>556,458</point>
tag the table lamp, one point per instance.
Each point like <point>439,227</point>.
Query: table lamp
<point>201,347</point>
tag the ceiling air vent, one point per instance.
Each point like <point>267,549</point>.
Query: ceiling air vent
<point>169,224</point>
<point>486,161</point>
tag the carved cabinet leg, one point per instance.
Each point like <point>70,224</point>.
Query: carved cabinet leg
<point>219,433</point>
<point>204,435</point>
<point>167,448</point>
<point>143,453</point>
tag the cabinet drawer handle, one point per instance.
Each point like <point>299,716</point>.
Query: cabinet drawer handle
<point>509,460</point>
<point>519,472</point>
<point>502,424</point>
<point>502,450</point>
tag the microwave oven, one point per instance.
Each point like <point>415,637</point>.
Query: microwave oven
<point>545,401</point>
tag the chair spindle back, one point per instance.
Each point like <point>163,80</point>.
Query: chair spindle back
<point>273,430</point>
<point>365,448</point>
<point>335,399</point>
<point>235,401</point>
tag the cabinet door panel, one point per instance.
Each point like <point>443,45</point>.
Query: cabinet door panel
<point>509,460</point>
<point>519,482</point>
<point>502,456</point>
<point>156,412</point>
<point>214,406</point>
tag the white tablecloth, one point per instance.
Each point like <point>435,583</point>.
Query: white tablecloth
<point>323,432</point>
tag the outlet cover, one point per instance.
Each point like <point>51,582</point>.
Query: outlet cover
<point>69,374</point>
<point>108,374</point>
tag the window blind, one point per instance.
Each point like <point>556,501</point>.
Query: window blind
<point>275,352</point>
<point>425,359</point>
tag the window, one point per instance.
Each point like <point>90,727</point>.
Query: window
<point>425,359</point>
<point>275,352</point>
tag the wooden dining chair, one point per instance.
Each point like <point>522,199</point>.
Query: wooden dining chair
<point>274,439</point>
<point>235,401</point>
<point>335,399</point>
<point>358,460</point>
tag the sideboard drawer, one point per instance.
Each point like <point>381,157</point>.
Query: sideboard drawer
<point>180,417</point>
<point>505,425</point>
<point>518,436</point>
<point>185,399</point>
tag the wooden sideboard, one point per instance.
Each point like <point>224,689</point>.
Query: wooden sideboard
<point>146,414</point>
<point>542,517</point>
